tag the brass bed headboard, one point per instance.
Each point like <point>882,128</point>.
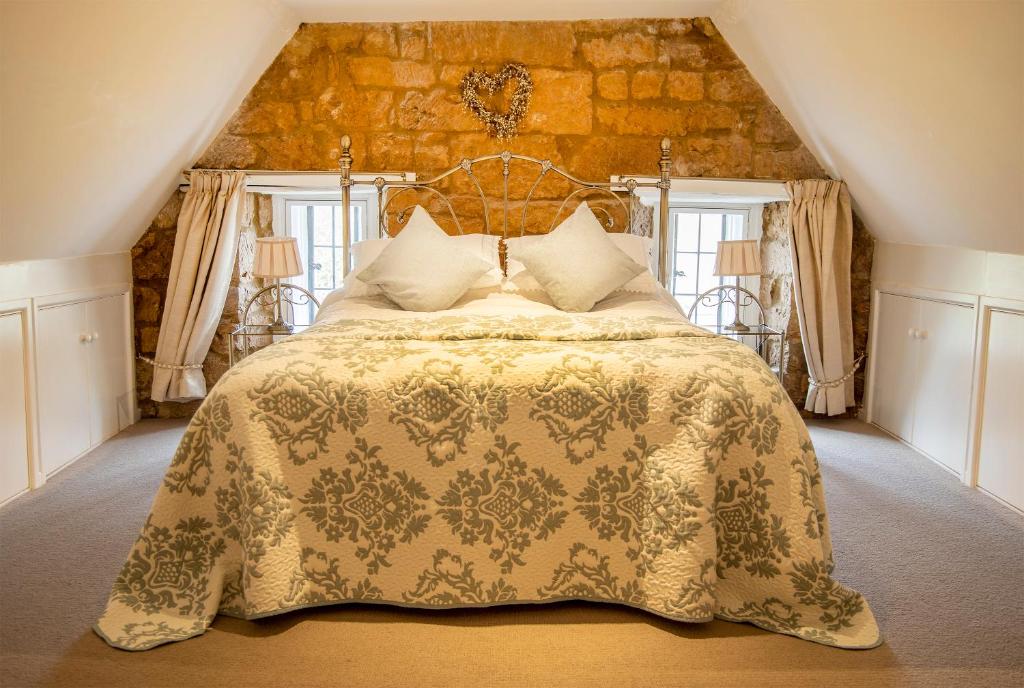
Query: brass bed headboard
<point>623,191</point>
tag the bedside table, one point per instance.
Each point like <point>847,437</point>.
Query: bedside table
<point>246,339</point>
<point>757,338</point>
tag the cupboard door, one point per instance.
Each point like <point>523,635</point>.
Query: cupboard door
<point>14,465</point>
<point>62,364</point>
<point>895,373</point>
<point>1001,456</point>
<point>108,353</point>
<point>942,407</point>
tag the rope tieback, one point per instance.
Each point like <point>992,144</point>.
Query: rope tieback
<point>838,381</point>
<point>171,366</point>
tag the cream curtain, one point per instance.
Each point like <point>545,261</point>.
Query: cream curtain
<point>821,240</point>
<point>204,256</point>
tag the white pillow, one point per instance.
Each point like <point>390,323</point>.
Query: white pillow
<point>366,251</point>
<point>424,269</point>
<point>577,264</point>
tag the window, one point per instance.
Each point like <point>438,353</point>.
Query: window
<point>696,232</point>
<point>316,223</point>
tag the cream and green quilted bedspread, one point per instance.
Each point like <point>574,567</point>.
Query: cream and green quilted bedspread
<point>481,460</point>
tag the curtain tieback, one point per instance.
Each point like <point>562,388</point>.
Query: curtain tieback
<point>837,381</point>
<point>171,366</point>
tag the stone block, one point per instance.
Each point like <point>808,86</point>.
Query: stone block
<point>648,121</point>
<point>387,73</point>
<point>771,127</point>
<point>733,86</point>
<point>620,50</point>
<point>147,304</point>
<point>264,118</point>
<point>716,157</point>
<point>390,152</point>
<point>561,102</point>
<point>613,85</point>
<point>379,39</point>
<point>437,110</point>
<point>647,84</point>
<point>150,335</point>
<point>548,44</point>
<point>685,85</point>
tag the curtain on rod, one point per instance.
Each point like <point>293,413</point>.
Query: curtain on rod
<point>204,256</point>
<point>821,244</point>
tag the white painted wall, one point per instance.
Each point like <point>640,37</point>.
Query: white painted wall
<point>944,268</point>
<point>105,101</point>
<point>917,105</point>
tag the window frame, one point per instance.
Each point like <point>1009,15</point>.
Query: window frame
<point>751,213</point>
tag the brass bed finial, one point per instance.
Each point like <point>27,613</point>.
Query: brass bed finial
<point>621,190</point>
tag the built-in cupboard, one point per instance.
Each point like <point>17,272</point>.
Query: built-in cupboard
<point>67,381</point>
<point>947,374</point>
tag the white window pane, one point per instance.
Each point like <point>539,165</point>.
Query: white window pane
<point>337,268</point>
<point>686,283</point>
<point>705,315</point>
<point>706,267</point>
<point>297,221</point>
<point>323,268</point>
<point>323,225</point>
<point>710,231</point>
<point>685,301</point>
<point>687,225</point>
<point>356,223</point>
<point>734,227</point>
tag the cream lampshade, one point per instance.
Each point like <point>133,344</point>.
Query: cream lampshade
<point>736,258</point>
<point>277,257</point>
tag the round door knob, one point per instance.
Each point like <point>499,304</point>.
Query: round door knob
<point>922,334</point>
<point>84,338</point>
<point>912,333</point>
<point>95,336</point>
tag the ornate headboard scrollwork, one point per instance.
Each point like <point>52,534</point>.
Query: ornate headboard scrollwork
<point>615,197</point>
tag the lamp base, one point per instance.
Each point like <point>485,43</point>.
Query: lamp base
<point>736,327</point>
<point>280,327</point>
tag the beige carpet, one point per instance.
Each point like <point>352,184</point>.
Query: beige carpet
<point>941,565</point>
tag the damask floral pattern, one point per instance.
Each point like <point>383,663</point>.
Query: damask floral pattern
<point>300,406</point>
<point>451,581</point>
<point>718,412</point>
<point>319,580</point>
<point>169,568</point>
<point>254,508</point>
<point>505,505</point>
<point>578,404</point>
<point>629,460</point>
<point>439,409</point>
<point>191,464</point>
<point>587,575</point>
<point>368,504</point>
<point>749,533</point>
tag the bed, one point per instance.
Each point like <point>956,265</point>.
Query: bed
<point>500,451</point>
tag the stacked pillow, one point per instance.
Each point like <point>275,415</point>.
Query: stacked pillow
<point>576,265</point>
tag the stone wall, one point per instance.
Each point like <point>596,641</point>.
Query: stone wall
<point>605,93</point>
<point>151,263</point>
<point>777,298</point>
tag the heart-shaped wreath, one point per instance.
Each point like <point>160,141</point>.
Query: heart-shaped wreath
<point>503,125</point>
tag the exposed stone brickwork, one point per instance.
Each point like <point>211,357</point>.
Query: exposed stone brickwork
<point>151,264</point>
<point>605,92</point>
<point>777,298</point>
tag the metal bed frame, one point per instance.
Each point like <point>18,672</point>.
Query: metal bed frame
<point>623,191</point>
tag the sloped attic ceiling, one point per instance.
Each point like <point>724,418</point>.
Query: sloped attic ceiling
<point>917,105</point>
<point>104,102</point>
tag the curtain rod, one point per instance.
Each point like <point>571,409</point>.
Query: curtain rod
<point>402,175</point>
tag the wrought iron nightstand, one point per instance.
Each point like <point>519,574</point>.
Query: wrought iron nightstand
<point>248,337</point>
<point>757,338</point>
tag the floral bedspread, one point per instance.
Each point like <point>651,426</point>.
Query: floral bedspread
<point>482,460</point>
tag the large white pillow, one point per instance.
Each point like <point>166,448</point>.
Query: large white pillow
<point>424,269</point>
<point>577,264</point>
<point>366,251</point>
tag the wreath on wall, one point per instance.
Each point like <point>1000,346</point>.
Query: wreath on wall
<point>503,125</point>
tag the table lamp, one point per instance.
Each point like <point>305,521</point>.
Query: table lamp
<point>277,257</point>
<point>733,259</point>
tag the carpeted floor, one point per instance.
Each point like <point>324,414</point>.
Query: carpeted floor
<point>941,565</point>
